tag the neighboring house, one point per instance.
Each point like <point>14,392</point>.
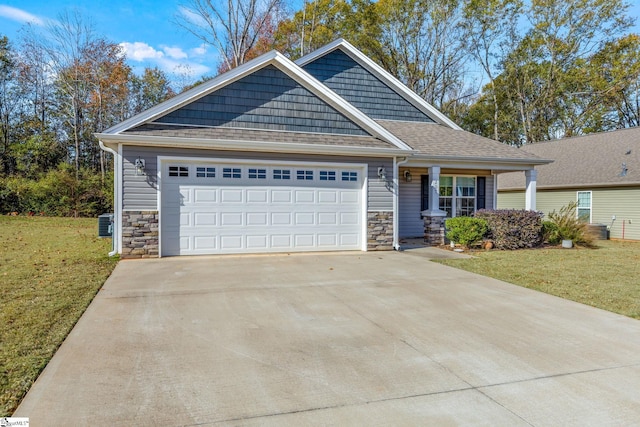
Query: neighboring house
<point>328,153</point>
<point>601,172</point>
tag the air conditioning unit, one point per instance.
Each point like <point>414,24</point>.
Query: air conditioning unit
<point>105,225</point>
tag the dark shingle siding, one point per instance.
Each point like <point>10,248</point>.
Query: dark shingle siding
<point>354,83</point>
<point>266,99</point>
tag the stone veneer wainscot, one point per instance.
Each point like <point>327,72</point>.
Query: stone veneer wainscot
<point>380,231</point>
<point>139,234</point>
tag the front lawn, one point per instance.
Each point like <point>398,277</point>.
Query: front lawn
<point>607,277</point>
<point>50,270</point>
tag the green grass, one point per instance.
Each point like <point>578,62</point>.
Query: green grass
<point>50,270</point>
<point>606,277</point>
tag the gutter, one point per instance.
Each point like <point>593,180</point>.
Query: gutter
<point>396,200</point>
<point>115,238</point>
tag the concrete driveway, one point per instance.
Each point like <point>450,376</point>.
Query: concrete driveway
<point>335,339</point>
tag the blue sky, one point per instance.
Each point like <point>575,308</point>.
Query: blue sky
<point>145,28</point>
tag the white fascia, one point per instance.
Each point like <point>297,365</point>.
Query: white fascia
<point>239,145</point>
<point>383,75</point>
<point>476,163</point>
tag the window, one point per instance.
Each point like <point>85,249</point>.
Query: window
<point>584,206</point>
<point>231,173</point>
<point>304,175</point>
<point>257,173</point>
<point>465,196</point>
<point>350,176</point>
<point>457,195</point>
<point>281,174</point>
<point>327,176</point>
<point>180,171</point>
<point>203,172</point>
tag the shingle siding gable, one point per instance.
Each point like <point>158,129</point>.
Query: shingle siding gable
<point>361,88</point>
<point>265,99</point>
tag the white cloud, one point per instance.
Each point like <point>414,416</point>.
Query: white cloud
<point>20,15</point>
<point>174,52</point>
<point>200,50</point>
<point>140,51</point>
<point>172,60</point>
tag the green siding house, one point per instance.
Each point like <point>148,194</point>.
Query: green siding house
<point>600,171</point>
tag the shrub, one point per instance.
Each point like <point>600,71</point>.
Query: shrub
<point>569,227</point>
<point>466,230</point>
<point>513,229</point>
<point>550,232</point>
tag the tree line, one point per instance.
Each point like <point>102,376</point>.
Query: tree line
<point>516,71</point>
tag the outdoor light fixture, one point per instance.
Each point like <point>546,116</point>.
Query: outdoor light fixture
<point>382,173</point>
<point>140,166</point>
<point>407,176</point>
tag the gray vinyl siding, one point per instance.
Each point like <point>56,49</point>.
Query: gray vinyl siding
<point>624,203</point>
<point>266,99</point>
<point>491,185</point>
<point>357,85</point>
<point>140,192</point>
<point>410,222</point>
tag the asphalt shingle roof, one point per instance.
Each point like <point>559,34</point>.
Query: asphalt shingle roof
<point>590,160</point>
<point>431,139</point>
<point>253,135</point>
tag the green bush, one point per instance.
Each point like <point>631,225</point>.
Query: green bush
<point>513,229</point>
<point>550,232</point>
<point>57,193</point>
<point>569,226</point>
<point>466,230</point>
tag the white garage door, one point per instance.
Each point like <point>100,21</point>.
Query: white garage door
<point>224,207</point>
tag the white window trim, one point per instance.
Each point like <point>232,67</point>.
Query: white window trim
<point>454,197</point>
<point>590,204</point>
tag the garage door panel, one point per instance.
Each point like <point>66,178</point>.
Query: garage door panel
<point>231,219</point>
<point>205,243</point>
<point>281,218</point>
<point>211,215</point>
<point>228,195</point>
<point>281,241</point>
<point>305,196</point>
<point>304,218</point>
<point>349,197</point>
<point>257,218</point>
<point>327,197</point>
<point>327,218</point>
<point>257,196</point>
<point>349,218</point>
<point>206,195</point>
<point>228,243</point>
<point>329,239</point>
<point>281,196</point>
<point>304,240</point>
<point>257,241</point>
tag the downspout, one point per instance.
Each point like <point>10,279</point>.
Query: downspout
<point>396,199</point>
<point>115,236</point>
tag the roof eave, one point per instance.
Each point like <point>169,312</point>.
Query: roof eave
<point>111,140</point>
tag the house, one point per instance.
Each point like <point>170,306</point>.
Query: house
<point>601,172</point>
<point>327,153</point>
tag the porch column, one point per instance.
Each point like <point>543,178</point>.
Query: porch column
<point>530,192</point>
<point>434,217</point>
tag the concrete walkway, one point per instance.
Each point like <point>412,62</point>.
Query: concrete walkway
<point>335,339</point>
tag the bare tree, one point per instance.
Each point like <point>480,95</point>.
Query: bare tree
<point>234,27</point>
